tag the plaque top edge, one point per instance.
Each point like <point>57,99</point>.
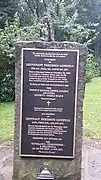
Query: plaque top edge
<point>55,49</point>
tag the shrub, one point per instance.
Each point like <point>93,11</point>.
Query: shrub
<point>91,68</point>
<point>8,36</point>
<point>7,88</point>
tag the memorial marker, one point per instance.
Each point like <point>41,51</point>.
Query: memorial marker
<point>49,91</point>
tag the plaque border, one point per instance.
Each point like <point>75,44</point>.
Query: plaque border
<point>75,112</point>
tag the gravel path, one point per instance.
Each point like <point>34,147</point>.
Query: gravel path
<point>91,164</point>
<point>6,161</point>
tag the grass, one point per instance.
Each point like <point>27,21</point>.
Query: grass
<point>92,113</point>
<point>92,109</point>
<point>6,121</point>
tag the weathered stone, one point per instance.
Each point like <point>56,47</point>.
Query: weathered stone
<point>26,168</point>
<point>1,177</point>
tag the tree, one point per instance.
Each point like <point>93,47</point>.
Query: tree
<point>8,8</point>
<point>54,14</point>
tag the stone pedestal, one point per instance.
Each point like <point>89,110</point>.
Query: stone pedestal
<point>64,169</point>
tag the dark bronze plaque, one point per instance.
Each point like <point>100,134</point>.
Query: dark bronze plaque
<point>48,102</point>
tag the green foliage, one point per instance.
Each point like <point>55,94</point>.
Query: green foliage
<point>7,87</point>
<point>8,8</point>
<point>80,33</point>
<point>30,33</point>
<point>8,37</point>
<point>91,69</point>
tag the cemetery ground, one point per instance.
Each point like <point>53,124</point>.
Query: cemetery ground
<point>92,134</point>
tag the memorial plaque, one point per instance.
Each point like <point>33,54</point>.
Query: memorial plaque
<point>48,102</point>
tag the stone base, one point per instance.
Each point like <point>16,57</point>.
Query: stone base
<point>71,177</point>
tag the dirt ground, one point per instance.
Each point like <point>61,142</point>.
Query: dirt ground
<point>91,160</point>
